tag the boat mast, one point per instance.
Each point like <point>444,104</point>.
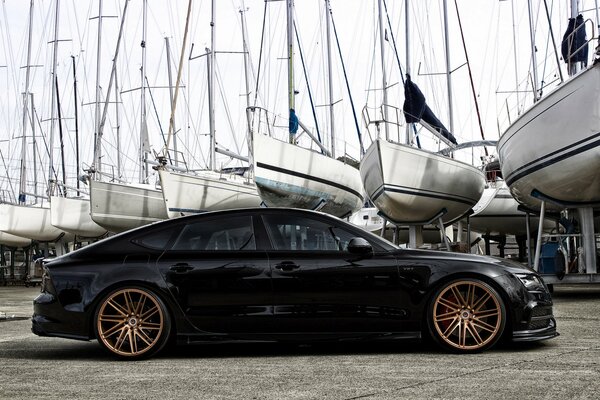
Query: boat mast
<point>23,174</point>
<point>143,117</point>
<point>211,88</point>
<point>290,46</point>
<point>53,101</point>
<point>409,126</point>
<point>448,78</point>
<point>76,126</point>
<point>384,78</point>
<point>329,75</point>
<point>247,79</point>
<point>98,134</point>
<point>170,76</point>
<point>533,56</point>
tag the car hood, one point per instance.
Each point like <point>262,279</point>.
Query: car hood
<point>503,265</point>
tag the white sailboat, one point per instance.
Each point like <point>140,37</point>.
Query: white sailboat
<point>118,206</point>
<point>30,221</point>
<point>410,185</point>
<point>288,175</point>
<point>553,149</point>
<point>115,205</point>
<point>187,192</point>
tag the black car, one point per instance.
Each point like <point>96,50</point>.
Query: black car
<point>270,274</point>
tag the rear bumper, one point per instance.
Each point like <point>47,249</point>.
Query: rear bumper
<point>50,319</point>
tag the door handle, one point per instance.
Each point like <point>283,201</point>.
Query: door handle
<point>287,266</point>
<point>181,268</point>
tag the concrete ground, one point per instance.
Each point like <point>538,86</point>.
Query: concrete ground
<point>567,367</point>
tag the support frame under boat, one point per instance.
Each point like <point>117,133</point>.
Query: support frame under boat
<point>587,253</point>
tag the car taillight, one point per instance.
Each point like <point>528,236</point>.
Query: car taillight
<point>47,285</point>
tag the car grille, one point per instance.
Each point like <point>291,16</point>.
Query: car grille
<point>541,312</point>
<point>541,317</point>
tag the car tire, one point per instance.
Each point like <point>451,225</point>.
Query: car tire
<point>132,323</point>
<point>466,316</point>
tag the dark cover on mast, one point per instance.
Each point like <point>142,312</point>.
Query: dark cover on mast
<point>416,109</point>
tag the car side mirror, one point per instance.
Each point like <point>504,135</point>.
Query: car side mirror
<point>359,246</point>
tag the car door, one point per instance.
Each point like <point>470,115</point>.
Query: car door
<point>218,276</point>
<point>319,286</point>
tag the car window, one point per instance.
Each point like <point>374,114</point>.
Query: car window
<point>156,239</point>
<point>300,233</point>
<point>225,234</point>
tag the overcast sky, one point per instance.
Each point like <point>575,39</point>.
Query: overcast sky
<point>488,30</point>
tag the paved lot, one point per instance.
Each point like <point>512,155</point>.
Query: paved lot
<point>567,367</point>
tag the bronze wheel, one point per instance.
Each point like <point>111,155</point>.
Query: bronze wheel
<point>132,323</point>
<point>467,315</point>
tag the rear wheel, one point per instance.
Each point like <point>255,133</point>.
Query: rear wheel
<point>132,323</point>
<point>466,315</point>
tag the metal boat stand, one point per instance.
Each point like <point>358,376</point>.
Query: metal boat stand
<point>586,242</point>
<point>415,229</point>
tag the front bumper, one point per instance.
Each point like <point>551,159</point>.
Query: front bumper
<point>535,335</point>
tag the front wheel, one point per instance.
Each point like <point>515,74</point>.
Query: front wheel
<point>466,316</point>
<point>132,323</point>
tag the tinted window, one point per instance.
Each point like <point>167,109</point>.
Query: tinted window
<point>299,233</point>
<point>157,239</point>
<point>234,233</point>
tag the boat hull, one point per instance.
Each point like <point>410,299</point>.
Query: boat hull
<point>554,147</point>
<point>186,194</point>
<point>412,186</point>
<point>292,176</point>
<point>119,207</point>
<point>30,222</point>
<point>497,213</point>
<point>73,215</point>
<point>9,240</point>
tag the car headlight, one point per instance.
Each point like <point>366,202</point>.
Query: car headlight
<point>533,283</point>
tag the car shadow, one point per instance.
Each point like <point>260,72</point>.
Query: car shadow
<point>92,351</point>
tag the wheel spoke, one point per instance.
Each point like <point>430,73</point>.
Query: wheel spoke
<point>113,330</point>
<point>446,316</point>
<point>118,308</point>
<point>483,325</point>
<point>149,313</point>
<point>452,327</point>
<point>493,312</point>
<point>481,301</point>
<point>140,305</point>
<point>111,318</point>
<point>129,303</point>
<point>142,335</point>
<point>121,339</point>
<point>150,325</point>
<point>458,296</point>
<point>463,334</point>
<point>475,334</point>
<point>470,295</point>
<point>448,303</point>
<point>132,342</point>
